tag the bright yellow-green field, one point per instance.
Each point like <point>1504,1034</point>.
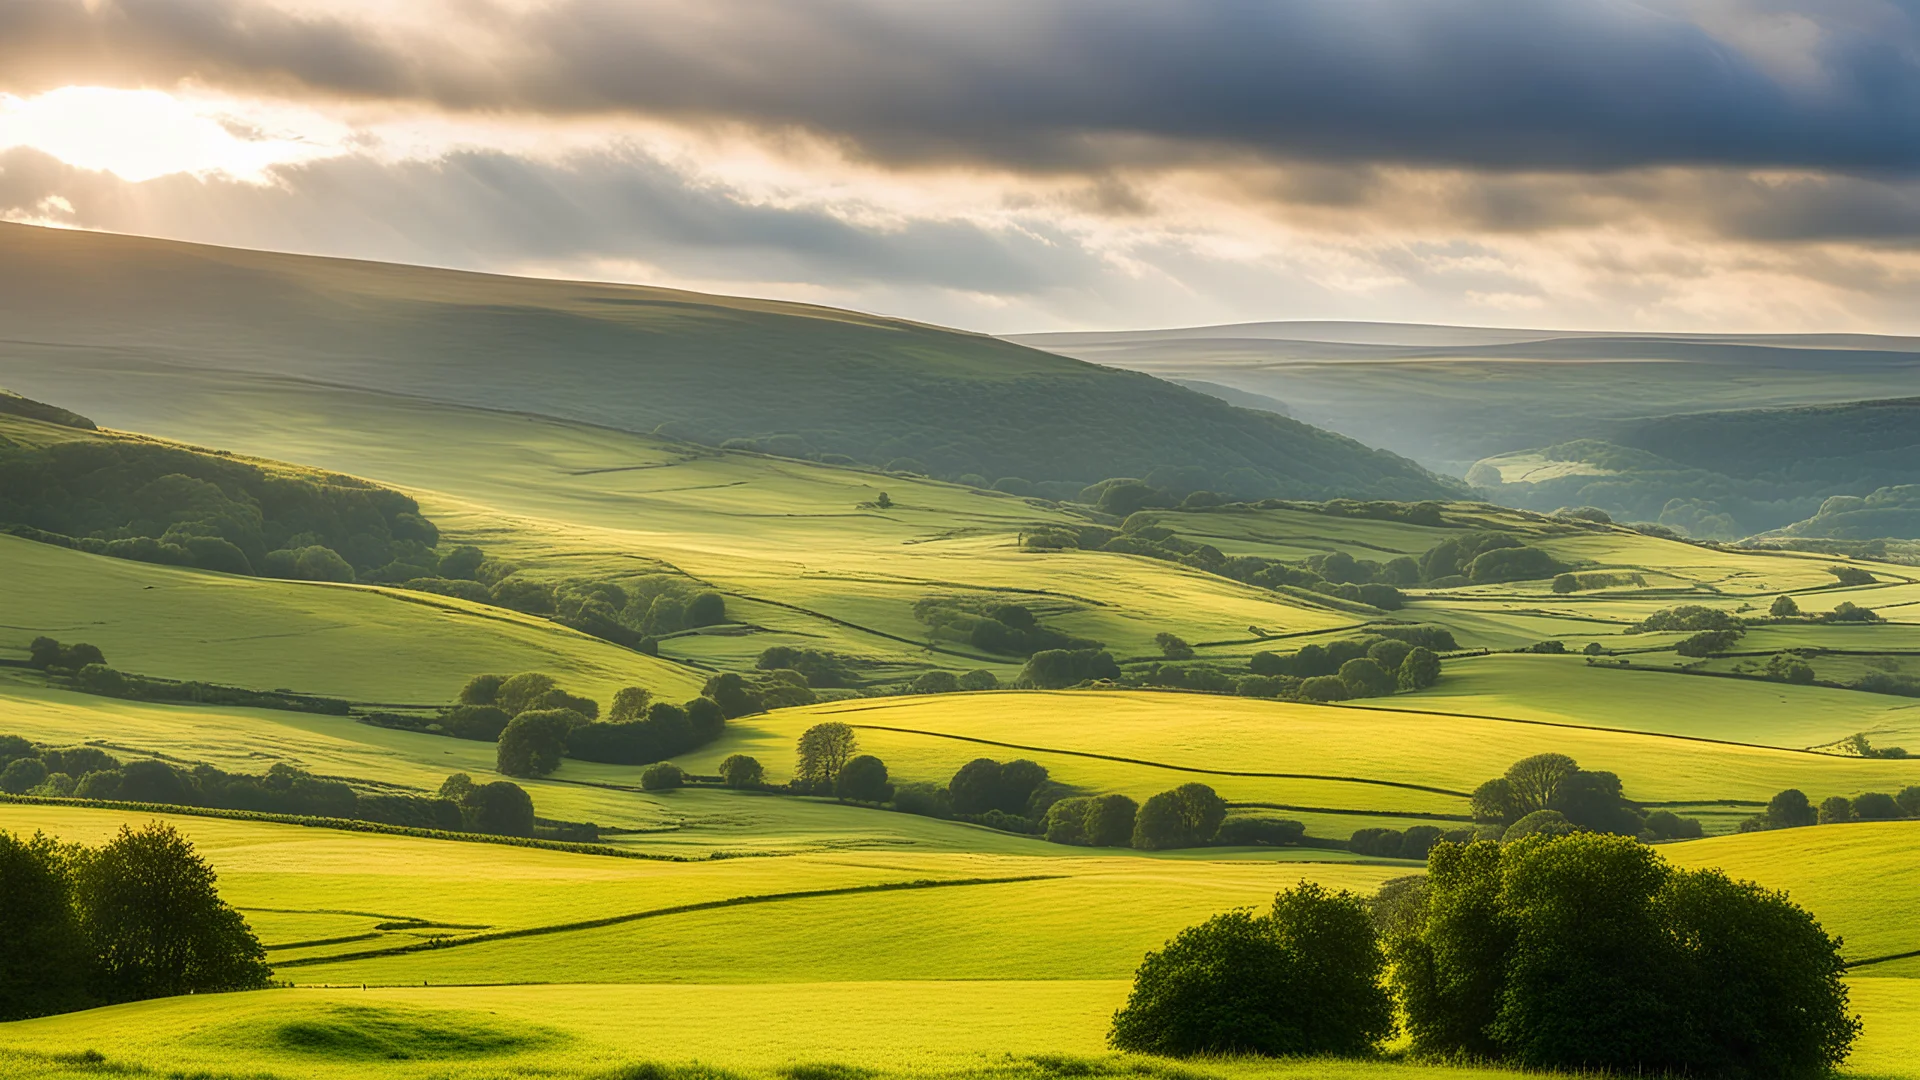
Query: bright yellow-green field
<point>359,642</point>
<point>947,980</point>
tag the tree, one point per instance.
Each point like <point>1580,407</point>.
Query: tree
<point>1791,810</point>
<point>521,692</point>
<point>863,779</point>
<point>1420,670</point>
<point>534,742</point>
<point>456,787</point>
<point>501,808</point>
<point>1876,806</point>
<point>824,750</point>
<point>935,682</point>
<point>979,679</point>
<point>43,957</point>
<point>1301,979</point>
<point>1537,779</point>
<point>1057,669</point>
<point>1835,809</point>
<point>883,501</point>
<point>629,704</point>
<point>662,776</point>
<point>1187,816</point>
<point>984,785</point>
<point>1364,678</point>
<point>1782,667</point>
<point>1784,607</point>
<point>740,772</point>
<point>156,926</point>
<point>1589,952</point>
<point>22,775</point>
<point>1566,583</point>
<point>1109,821</point>
<point>1389,653</point>
<point>705,609</point>
<point>1539,823</point>
<point>1067,821</point>
<point>481,690</point>
<point>731,693</point>
<point>1494,803</point>
<point>705,721</point>
<point>1172,647</point>
<point>1324,688</point>
<point>1708,643</point>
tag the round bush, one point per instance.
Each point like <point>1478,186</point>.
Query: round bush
<point>662,776</point>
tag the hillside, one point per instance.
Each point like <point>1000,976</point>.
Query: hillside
<point>83,310</point>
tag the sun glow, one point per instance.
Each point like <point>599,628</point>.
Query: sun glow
<point>140,134</point>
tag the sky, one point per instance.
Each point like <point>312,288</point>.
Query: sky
<point>1020,165</point>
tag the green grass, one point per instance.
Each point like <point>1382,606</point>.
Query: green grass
<point>363,643</point>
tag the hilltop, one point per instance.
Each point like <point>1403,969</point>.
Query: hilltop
<point>84,310</point>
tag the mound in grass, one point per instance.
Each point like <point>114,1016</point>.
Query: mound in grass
<point>388,1033</point>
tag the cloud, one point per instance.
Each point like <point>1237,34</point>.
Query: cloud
<point>1084,84</point>
<point>487,208</point>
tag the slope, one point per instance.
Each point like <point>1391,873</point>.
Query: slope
<point>805,381</point>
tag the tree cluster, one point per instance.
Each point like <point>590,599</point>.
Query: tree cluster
<point>136,918</point>
<point>1588,952</point>
<point>1791,809</point>
<point>997,628</point>
<point>1413,843</point>
<point>1057,669</point>
<point>1551,794</point>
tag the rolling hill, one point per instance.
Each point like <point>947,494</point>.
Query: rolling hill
<point>82,310</point>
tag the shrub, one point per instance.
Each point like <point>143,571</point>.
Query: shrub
<point>1301,979</point>
<point>741,771</point>
<point>1364,678</point>
<point>533,742</point>
<point>662,776</point>
<point>1188,816</point>
<point>863,779</point>
<point>979,679</point>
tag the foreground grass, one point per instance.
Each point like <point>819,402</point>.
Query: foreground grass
<point>814,1031</point>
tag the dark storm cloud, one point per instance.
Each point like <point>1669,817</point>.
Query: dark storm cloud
<point>487,208</point>
<point>1061,84</point>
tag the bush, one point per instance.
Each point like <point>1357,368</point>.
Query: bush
<point>863,779</point>
<point>1304,978</point>
<point>662,776</point>
<point>533,742</point>
<point>740,771</point>
<point>1188,816</point>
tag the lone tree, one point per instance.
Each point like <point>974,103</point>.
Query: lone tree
<point>155,924</point>
<point>1784,607</point>
<point>823,751</point>
<point>1305,978</point>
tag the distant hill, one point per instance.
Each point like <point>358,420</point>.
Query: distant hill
<point>1845,469</point>
<point>783,378</point>
<point>1448,396</point>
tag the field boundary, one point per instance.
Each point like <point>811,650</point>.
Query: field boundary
<point>658,913</point>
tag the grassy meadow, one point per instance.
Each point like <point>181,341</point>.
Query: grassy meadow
<point>811,939</point>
